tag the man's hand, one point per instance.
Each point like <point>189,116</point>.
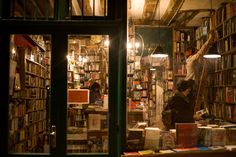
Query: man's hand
<point>211,36</point>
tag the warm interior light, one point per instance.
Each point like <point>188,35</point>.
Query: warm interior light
<point>129,45</point>
<point>212,51</point>
<point>106,43</point>
<point>137,8</point>
<point>212,56</point>
<point>137,45</point>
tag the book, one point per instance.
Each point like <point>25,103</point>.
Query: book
<point>186,135</point>
<point>94,122</point>
<point>166,151</point>
<point>186,149</point>
<point>152,138</point>
<point>146,152</point>
<point>230,147</point>
<point>167,139</point>
<point>217,148</point>
<point>230,136</point>
<point>204,136</point>
<point>218,136</point>
<point>131,153</point>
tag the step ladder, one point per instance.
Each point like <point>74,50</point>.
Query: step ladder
<point>202,82</point>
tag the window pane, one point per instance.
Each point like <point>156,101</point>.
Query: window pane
<point>89,7</point>
<point>29,88</point>
<point>32,8</point>
<point>87,121</point>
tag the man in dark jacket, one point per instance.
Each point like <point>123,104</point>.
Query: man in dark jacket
<point>181,103</point>
<point>182,108</point>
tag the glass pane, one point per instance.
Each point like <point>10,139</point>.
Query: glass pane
<point>87,117</point>
<point>29,91</point>
<point>89,7</point>
<point>32,8</point>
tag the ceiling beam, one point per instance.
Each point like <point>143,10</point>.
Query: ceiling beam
<point>149,10</point>
<point>171,11</point>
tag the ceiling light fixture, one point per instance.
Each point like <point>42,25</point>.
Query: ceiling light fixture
<point>159,52</point>
<point>212,51</point>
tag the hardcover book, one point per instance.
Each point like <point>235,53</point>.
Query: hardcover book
<point>186,134</point>
<point>231,136</point>
<point>218,136</point>
<point>167,140</point>
<point>204,136</point>
<point>152,138</point>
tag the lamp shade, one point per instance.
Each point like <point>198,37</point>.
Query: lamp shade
<point>212,52</point>
<point>158,52</point>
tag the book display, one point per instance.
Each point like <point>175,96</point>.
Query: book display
<point>87,105</point>
<point>29,81</point>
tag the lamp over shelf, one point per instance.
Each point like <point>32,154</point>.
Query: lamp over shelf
<point>212,52</point>
<point>158,52</point>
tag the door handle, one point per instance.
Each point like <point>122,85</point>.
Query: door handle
<point>53,136</point>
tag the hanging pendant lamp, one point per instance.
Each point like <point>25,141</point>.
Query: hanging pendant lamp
<point>159,52</point>
<point>212,51</point>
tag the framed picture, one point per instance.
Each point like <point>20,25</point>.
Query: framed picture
<point>78,96</point>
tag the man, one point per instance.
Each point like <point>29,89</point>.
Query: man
<point>191,64</point>
<point>192,57</point>
<point>179,104</point>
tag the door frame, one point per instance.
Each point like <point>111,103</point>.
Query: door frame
<point>59,32</point>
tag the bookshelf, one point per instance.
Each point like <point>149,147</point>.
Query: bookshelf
<point>182,38</point>
<point>28,105</point>
<point>222,79</point>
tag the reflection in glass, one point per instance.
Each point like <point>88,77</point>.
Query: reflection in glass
<point>29,91</point>
<point>89,7</point>
<point>87,115</point>
<point>32,8</point>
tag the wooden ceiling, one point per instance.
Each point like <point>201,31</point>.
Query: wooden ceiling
<point>32,8</point>
<point>178,13</point>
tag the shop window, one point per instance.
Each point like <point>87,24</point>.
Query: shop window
<point>87,111</point>
<point>36,9</point>
<point>29,88</point>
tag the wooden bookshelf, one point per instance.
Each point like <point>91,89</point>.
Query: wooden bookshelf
<point>28,108</point>
<point>181,40</point>
<point>222,80</point>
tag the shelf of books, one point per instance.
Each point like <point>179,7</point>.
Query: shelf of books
<point>222,81</point>
<point>29,79</point>
<point>181,40</point>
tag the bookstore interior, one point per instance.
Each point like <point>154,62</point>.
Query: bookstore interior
<point>151,83</point>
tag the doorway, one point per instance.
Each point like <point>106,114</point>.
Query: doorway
<point>52,109</point>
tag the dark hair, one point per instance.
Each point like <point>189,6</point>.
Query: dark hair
<point>191,48</point>
<point>183,85</point>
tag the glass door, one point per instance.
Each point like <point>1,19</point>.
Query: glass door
<point>87,94</point>
<point>59,95</point>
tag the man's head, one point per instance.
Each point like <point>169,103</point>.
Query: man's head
<point>189,51</point>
